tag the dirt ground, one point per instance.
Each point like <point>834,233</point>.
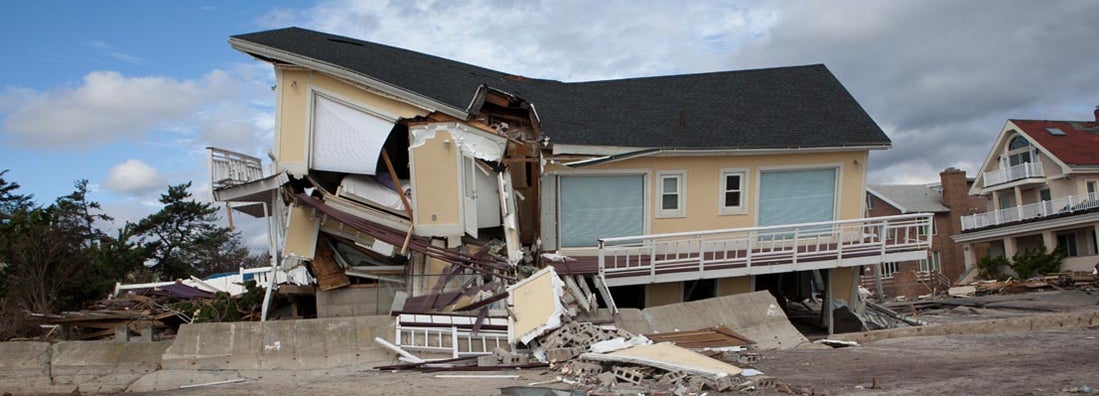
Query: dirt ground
<point>1025,363</point>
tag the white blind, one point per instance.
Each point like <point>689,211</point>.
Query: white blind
<point>601,207</point>
<point>346,139</point>
<point>802,196</point>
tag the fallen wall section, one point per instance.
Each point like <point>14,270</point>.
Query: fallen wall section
<point>755,315</point>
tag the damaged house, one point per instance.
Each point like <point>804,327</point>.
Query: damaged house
<point>415,183</point>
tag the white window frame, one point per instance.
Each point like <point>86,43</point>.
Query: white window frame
<point>648,204</point>
<point>888,269</point>
<point>680,177</point>
<point>732,210</point>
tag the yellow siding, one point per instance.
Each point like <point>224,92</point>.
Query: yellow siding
<point>737,285</point>
<point>843,280</point>
<point>663,293</point>
<point>295,88</point>
<point>436,192</point>
<point>703,185</point>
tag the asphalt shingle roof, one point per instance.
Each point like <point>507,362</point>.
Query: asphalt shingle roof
<point>912,198</point>
<point>1078,146</point>
<point>785,107</point>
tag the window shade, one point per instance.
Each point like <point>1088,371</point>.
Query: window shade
<point>346,139</point>
<point>803,196</point>
<point>601,207</point>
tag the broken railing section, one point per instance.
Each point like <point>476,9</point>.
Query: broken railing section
<point>229,168</point>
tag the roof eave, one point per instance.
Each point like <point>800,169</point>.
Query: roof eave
<point>411,97</point>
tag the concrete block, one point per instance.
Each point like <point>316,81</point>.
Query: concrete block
<point>628,374</point>
<point>673,377</point>
<point>748,358</point>
<point>561,354</point>
<point>487,361</point>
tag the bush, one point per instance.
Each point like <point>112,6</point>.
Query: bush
<point>1036,262</point>
<point>989,268</point>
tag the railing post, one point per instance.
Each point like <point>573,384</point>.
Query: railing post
<point>701,253</point>
<point>884,236</point>
<point>794,254</point>
<point>602,259</point>
<point>748,250</point>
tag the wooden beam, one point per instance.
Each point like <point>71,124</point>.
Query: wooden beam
<point>397,182</point>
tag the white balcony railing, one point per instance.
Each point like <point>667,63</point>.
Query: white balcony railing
<point>1069,204</point>
<point>735,252</point>
<point>1022,171</point>
<point>228,168</point>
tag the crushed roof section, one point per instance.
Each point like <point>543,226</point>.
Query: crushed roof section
<point>776,108</point>
<point>1078,146</point>
<point>911,198</point>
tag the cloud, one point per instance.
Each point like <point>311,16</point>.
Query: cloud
<point>133,177</point>
<point>112,52</point>
<point>940,76</point>
<point>109,106</point>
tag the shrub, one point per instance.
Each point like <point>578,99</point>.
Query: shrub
<point>1036,262</point>
<point>989,267</point>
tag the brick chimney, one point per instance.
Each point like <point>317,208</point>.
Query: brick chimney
<point>1096,113</point>
<point>955,189</point>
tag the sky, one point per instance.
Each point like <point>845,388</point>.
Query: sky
<point>128,94</point>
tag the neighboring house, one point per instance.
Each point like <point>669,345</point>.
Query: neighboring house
<point>651,190</point>
<point>949,200</point>
<point>1042,183</point>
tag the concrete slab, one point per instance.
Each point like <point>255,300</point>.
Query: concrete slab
<point>25,366</point>
<point>1056,321</point>
<point>755,315</point>
<point>104,366</point>
<point>251,348</point>
<point>173,379</point>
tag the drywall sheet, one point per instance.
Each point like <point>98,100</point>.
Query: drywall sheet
<point>346,139</point>
<point>668,357</point>
<point>536,306</point>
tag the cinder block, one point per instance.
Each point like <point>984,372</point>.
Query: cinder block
<point>628,374</point>
<point>560,354</point>
<point>487,361</point>
<point>748,358</point>
<point>673,377</point>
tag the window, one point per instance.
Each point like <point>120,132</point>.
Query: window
<point>672,199</point>
<point>1044,195</point>
<point>869,202</point>
<point>1019,151</point>
<point>1067,242</point>
<point>732,197</point>
<point>932,264</point>
<point>600,206</point>
<point>888,269</point>
<point>1092,189</point>
<point>1005,202</point>
<point>797,196</point>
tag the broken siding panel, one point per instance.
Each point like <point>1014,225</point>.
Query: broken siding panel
<point>436,194</point>
<point>301,234</point>
<point>536,306</point>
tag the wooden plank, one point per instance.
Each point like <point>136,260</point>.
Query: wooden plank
<point>328,273</point>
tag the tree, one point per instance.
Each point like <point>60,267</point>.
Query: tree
<point>9,200</point>
<point>183,239</point>
<point>47,251</point>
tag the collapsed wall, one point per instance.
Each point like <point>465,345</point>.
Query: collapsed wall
<point>755,315</point>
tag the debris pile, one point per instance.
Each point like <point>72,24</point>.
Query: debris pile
<point>544,328</point>
<point>1058,281</point>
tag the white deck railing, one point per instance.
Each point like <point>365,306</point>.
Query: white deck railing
<point>1069,204</point>
<point>765,249</point>
<point>449,334</point>
<point>1022,171</point>
<point>228,168</point>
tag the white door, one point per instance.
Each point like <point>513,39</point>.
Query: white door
<point>469,195</point>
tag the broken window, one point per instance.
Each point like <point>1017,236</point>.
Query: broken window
<point>888,269</point>
<point>732,191</point>
<point>346,138</point>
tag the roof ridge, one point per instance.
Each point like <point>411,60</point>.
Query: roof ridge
<point>702,74</point>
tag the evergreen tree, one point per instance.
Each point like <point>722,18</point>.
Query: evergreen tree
<point>183,238</point>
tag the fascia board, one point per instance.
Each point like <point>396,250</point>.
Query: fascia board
<point>404,94</point>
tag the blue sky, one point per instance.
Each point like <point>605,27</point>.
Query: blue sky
<point>127,94</point>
